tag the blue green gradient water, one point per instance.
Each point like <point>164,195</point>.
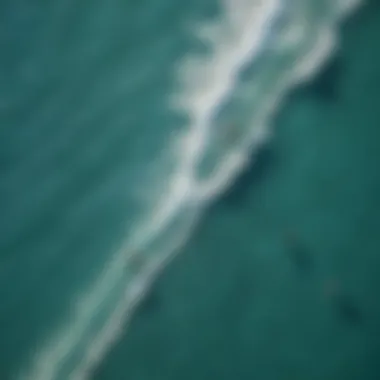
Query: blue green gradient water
<point>87,122</point>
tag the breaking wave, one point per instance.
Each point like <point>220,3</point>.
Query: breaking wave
<point>257,51</point>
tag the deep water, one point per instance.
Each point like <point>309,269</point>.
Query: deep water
<point>280,280</point>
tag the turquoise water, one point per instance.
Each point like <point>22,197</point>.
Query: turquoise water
<point>122,126</point>
<point>235,304</point>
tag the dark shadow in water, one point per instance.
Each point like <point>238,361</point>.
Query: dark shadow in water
<point>347,309</point>
<point>327,86</point>
<point>150,303</point>
<point>361,17</point>
<point>324,88</point>
<point>256,170</point>
<point>299,254</point>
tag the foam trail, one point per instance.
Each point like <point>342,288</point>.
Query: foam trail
<point>236,39</point>
<point>48,363</point>
<point>247,20</point>
<point>235,161</point>
<point>214,77</point>
<point>134,293</point>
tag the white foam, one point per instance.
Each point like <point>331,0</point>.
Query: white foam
<point>207,83</point>
<point>325,41</point>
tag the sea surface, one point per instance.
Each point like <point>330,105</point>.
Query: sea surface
<point>189,190</point>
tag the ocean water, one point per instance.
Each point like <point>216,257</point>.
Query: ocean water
<point>133,133</point>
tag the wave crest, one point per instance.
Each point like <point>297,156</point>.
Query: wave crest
<point>271,43</point>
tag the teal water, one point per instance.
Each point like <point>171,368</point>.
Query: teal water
<point>115,150</point>
<point>235,304</point>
